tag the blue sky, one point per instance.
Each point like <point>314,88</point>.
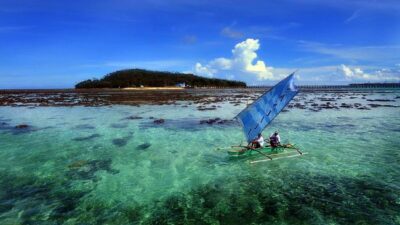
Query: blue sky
<point>55,44</point>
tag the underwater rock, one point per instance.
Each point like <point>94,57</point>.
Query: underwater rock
<point>90,137</point>
<point>188,124</point>
<point>38,200</point>
<point>299,106</point>
<point>119,125</point>
<point>327,99</point>
<point>328,105</point>
<point>87,118</point>
<point>23,129</point>
<point>380,100</point>
<point>120,142</point>
<point>84,127</point>
<point>306,128</point>
<point>204,108</point>
<point>363,108</point>
<point>210,121</point>
<point>344,105</point>
<point>235,103</point>
<point>86,169</point>
<point>143,146</point>
<point>21,126</point>
<point>215,121</point>
<point>134,118</point>
<point>77,164</point>
<point>330,126</point>
<point>159,121</point>
<point>379,105</point>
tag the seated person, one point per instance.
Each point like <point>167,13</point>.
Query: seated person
<point>274,139</point>
<point>258,142</point>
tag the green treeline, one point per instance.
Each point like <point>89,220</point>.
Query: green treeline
<point>148,78</point>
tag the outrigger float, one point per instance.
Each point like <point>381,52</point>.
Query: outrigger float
<point>258,115</point>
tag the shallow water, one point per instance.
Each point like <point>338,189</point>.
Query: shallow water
<point>95,165</point>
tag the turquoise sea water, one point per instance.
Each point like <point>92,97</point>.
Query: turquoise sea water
<point>94,165</point>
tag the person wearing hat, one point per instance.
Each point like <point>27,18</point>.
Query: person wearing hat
<point>274,139</point>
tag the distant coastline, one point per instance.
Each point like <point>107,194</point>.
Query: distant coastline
<point>152,88</point>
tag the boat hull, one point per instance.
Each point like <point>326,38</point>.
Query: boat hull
<point>267,150</point>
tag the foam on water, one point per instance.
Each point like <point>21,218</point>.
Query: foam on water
<point>95,165</point>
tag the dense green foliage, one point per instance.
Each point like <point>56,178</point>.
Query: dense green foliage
<point>138,77</point>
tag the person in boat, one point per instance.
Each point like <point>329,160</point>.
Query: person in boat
<point>274,139</point>
<point>258,142</point>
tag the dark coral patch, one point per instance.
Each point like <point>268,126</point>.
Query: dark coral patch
<point>84,127</point>
<point>87,138</point>
<point>86,169</point>
<point>134,118</point>
<point>120,142</point>
<point>143,146</point>
<point>119,125</point>
<point>159,121</point>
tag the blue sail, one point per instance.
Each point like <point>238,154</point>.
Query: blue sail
<point>262,111</point>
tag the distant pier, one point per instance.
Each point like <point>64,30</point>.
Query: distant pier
<point>335,87</point>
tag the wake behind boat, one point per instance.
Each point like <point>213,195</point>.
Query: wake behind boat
<point>258,115</point>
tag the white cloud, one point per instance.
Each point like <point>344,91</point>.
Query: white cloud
<point>204,70</point>
<point>243,65</point>
<point>222,63</point>
<point>356,73</point>
<point>343,74</point>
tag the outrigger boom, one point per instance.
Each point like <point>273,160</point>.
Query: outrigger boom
<point>270,153</point>
<point>267,160</point>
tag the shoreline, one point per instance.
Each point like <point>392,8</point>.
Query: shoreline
<point>152,88</point>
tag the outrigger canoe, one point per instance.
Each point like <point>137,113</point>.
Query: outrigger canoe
<point>258,115</point>
<point>269,153</point>
<point>267,150</point>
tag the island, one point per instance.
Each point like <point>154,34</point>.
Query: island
<point>131,78</point>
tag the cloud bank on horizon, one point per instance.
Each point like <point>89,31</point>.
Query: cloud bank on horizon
<point>259,42</point>
<point>245,66</point>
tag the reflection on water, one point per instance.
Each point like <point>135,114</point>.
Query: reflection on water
<point>87,165</point>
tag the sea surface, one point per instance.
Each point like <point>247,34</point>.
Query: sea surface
<point>115,165</point>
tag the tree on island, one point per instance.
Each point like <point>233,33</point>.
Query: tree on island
<point>148,78</point>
